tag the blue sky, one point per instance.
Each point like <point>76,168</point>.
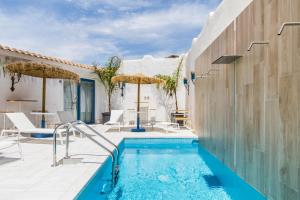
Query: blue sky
<point>90,31</point>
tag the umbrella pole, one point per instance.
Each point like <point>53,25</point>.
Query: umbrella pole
<point>138,107</point>
<point>43,122</point>
<point>138,128</point>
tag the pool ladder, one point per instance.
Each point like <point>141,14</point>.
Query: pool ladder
<point>75,125</point>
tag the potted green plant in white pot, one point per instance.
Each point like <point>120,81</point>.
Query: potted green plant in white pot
<point>105,75</point>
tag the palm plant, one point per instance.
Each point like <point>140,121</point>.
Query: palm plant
<point>105,75</point>
<point>171,83</point>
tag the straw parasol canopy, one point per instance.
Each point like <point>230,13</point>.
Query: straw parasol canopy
<point>137,79</point>
<point>40,70</point>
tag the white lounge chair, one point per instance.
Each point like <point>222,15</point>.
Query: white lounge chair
<point>168,126</point>
<point>7,142</point>
<point>24,125</point>
<point>115,117</point>
<point>66,117</point>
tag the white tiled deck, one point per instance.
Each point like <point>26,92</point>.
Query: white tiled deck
<point>34,178</point>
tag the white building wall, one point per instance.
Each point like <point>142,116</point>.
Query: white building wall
<point>101,100</point>
<point>217,22</point>
<point>155,97</point>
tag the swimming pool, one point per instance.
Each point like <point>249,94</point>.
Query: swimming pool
<point>167,169</point>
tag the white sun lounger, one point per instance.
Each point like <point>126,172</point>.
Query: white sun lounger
<point>67,116</point>
<point>24,125</point>
<point>168,126</point>
<point>115,117</point>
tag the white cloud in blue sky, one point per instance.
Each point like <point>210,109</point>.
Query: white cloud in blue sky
<point>92,30</point>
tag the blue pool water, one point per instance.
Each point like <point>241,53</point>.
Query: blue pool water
<point>167,169</point>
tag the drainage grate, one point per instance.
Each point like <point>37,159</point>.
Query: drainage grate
<point>212,181</point>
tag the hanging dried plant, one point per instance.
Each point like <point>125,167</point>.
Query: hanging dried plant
<point>15,78</point>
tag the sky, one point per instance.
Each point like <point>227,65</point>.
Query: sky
<point>89,31</point>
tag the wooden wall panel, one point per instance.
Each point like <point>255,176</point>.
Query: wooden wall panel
<point>250,87</point>
<point>285,57</point>
<point>248,113</point>
<point>216,127</point>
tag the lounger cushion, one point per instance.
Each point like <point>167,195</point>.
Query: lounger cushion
<point>112,123</point>
<point>115,116</point>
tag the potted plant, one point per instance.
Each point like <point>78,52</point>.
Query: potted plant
<point>170,86</point>
<point>105,75</point>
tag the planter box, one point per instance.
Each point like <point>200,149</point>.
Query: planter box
<point>105,117</point>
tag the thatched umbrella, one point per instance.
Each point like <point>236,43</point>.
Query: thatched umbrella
<point>40,70</point>
<point>137,79</point>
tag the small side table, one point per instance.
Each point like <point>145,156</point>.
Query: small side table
<point>20,101</point>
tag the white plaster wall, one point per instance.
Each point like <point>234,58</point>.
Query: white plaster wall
<point>217,22</point>
<point>149,66</point>
<point>101,100</point>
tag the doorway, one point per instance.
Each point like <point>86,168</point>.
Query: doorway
<point>86,101</point>
<point>70,97</point>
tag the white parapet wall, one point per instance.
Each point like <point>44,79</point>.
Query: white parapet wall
<point>216,23</point>
<point>160,106</point>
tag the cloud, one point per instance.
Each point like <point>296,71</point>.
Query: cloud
<point>40,32</point>
<point>163,29</point>
<point>88,38</point>
<point>122,5</point>
<point>152,25</point>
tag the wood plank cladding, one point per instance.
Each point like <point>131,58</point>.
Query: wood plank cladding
<point>248,112</point>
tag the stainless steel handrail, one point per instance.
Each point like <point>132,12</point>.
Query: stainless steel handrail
<point>54,141</point>
<point>100,135</point>
<point>108,150</point>
<point>73,125</point>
